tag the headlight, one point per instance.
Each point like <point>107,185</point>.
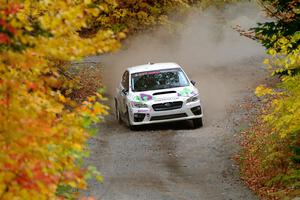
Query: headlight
<point>192,99</point>
<point>138,105</point>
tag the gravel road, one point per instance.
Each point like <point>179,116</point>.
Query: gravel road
<point>174,161</point>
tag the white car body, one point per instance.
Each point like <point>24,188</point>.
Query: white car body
<point>158,105</point>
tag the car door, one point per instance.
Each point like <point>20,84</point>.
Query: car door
<point>123,92</point>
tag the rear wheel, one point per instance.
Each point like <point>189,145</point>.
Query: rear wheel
<point>118,114</point>
<point>197,123</point>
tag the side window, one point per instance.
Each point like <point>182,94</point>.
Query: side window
<point>125,80</point>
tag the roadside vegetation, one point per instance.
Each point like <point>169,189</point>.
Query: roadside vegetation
<point>270,161</point>
<point>44,124</point>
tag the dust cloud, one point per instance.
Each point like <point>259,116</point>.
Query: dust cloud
<point>208,49</point>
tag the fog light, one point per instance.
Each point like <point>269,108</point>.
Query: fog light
<point>196,110</point>
<point>138,117</point>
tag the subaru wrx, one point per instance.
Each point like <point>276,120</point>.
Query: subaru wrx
<point>157,93</point>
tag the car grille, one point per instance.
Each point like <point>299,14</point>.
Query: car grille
<point>163,117</point>
<point>167,106</point>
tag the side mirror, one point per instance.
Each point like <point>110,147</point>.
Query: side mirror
<point>125,91</point>
<point>193,82</point>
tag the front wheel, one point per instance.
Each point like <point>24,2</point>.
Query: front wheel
<point>197,123</point>
<point>131,127</point>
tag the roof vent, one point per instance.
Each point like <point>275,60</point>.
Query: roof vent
<point>150,63</point>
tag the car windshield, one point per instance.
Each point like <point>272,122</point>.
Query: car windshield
<point>160,79</point>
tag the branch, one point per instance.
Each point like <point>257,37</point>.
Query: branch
<point>268,10</point>
<point>242,32</point>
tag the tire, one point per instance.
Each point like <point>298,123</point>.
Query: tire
<point>118,114</point>
<point>131,127</point>
<point>197,123</point>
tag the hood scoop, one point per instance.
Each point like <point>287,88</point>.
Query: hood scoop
<point>166,92</point>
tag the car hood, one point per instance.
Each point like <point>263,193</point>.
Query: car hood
<point>164,95</point>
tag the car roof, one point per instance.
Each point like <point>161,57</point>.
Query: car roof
<point>152,67</point>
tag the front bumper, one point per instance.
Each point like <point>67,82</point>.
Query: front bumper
<point>142,116</point>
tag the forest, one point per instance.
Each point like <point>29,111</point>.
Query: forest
<point>44,129</point>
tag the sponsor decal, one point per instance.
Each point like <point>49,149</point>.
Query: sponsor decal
<point>146,73</point>
<point>167,99</point>
<point>186,92</point>
<point>143,97</point>
<point>146,97</point>
<point>143,111</point>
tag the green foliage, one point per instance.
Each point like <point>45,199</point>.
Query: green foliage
<point>287,21</point>
<point>66,192</point>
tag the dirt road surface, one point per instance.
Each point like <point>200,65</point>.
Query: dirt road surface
<point>174,161</point>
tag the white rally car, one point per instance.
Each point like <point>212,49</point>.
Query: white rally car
<point>156,93</point>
